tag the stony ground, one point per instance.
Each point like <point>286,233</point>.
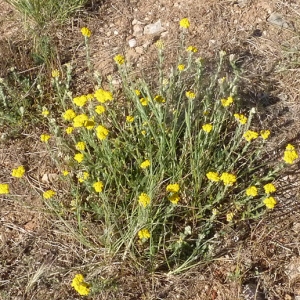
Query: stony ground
<point>258,260</point>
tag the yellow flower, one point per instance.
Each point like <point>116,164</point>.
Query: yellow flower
<point>269,188</point>
<point>45,138</point>
<point>69,115</point>
<point>49,194</point>
<point>143,132</point>
<point>227,102</point>
<point>86,32</point>
<point>80,146</point>
<point>191,49</point>
<point>65,173</point>
<point>98,186</point>
<point>207,127</point>
<point>144,234</point>
<point>144,101</point>
<point>251,191</point>
<point>101,132</point>
<point>80,101</point>
<point>144,200</point>
<point>45,112</point>
<point>229,216</point>
<point>184,23</point>
<point>89,96</point>
<point>190,95</point>
<point>270,202</point>
<point>215,211</point>
<point>213,176</point>
<point>79,157</point>
<point>80,120</point>
<point>174,198</point>
<point>290,154</point>
<point>250,135</point>
<point>159,44</point>
<point>173,188</point>
<point>159,99</point>
<point>119,59</point>
<point>129,119</point>
<point>80,286</point>
<point>100,109</point>
<point>89,124</point>
<point>83,176</point>
<point>18,172</point>
<point>181,67</point>
<point>265,134</point>
<point>4,188</point>
<point>55,73</point>
<point>137,92</point>
<point>103,96</point>
<point>228,179</point>
<point>241,118</point>
<point>145,164</point>
<point>69,130</point>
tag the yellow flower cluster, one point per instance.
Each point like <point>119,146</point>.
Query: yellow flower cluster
<point>101,132</point>
<point>45,138</point>
<point>80,100</point>
<point>130,119</point>
<point>103,96</point>
<point>145,164</point>
<point>79,157</point>
<point>83,176</point>
<point>290,154</point>
<point>227,178</point>
<point>265,134</point>
<point>191,49</point>
<point>213,176</point>
<point>250,135</point>
<point>80,146</point>
<point>190,95</point>
<point>184,23</point>
<point>251,191</point>
<point>207,127</point>
<point>144,234</point>
<point>80,120</point>
<point>98,186</point>
<point>227,102</point>
<point>69,115</point>
<point>80,286</point>
<point>159,99</point>
<point>173,189</point>
<point>49,194</point>
<point>100,109</point>
<point>181,67</point>
<point>270,202</point>
<point>269,188</point>
<point>45,112</point>
<point>241,118</point>
<point>86,32</point>
<point>55,73</point>
<point>119,59</point>
<point>144,101</point>
<point>4,188</point>
<point>144,200</point>
<point>18,172</point>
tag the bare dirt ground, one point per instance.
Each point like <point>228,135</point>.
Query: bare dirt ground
<point>257,260</point>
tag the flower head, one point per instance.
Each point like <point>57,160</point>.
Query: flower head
<point>269,188</point>
<point>184,23</point>
<point>79,157</point>
<point>100,109</point>
<point>45,138</point>
<point>69,114</point>
<point>213,176</point>
<point>190,95</point>
<point>251,191</point>
<point>55,73</point>
<point>290,154</point>
<point>144,234</point>
<point>173,188</point>
<point>207,127</point>
<point>265,134</point>
<point>45,112</point>
<point>181,67</point>
<point>49,194</point>
<point>98,186</point>
<point>159,99</point>
<point>159,44</point>
<point>80,286</point>
<point>69,130</point>
<point>228,179</point>
<point>80,120</point>
<point>18,172</point>
<point>250,135</point>
<point>191,49</point>
<point>137,92</point>
<point>241,118</point>
<point>145,164</point>
<point>229,216</point>
<point>80,146</point>
<point>83,176</point>
<point>144,200</point>
<point>130,119</point>
<point>103,96</point>
<point>227,102</point>
<point>80,101</point>
<point>86,32</point>
<point>174,198</point>
<point>119,59</point>
<point>65,172</point>
<point>4,188</point>
<point>101,132</point>
<point>144,101</point>
<point>270,202</point>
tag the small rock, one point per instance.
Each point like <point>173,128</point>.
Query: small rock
<point>277,19</point>
<point>132,43</point>
<point>137,30</point>
<point>139,50</point>
<point>116,32</point>
<point>153,28</point>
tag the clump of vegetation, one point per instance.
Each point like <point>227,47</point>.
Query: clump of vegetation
<point>159,167</point>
